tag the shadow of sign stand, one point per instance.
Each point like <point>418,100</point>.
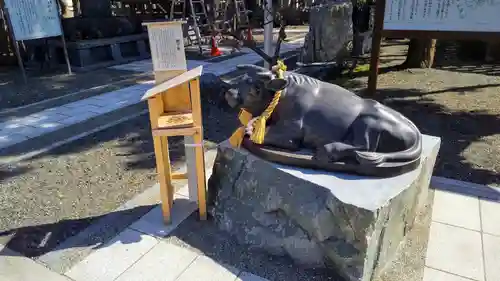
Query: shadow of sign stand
<point>175,110</point>
<point>437,19</point>
<point>33,19</point>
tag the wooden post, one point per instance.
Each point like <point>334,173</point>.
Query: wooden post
<point>199,161</point>
<point>16,45</point>
<point>378,27</point>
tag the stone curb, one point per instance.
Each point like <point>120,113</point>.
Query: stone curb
<point>32,108</point>
<point>466,188</point>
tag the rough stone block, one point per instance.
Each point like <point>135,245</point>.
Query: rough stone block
<point>352,224</point>
<point>330,30</point>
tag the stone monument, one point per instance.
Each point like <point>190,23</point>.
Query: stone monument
<point>350,223</point>
<point>282,190</point>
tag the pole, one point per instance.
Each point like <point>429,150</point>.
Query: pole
<point>268,30</point>
<point>16,45</point>
<point>65,47</point>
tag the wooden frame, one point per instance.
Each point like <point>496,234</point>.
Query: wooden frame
<point>379,33</point>
<point>175,110</point>
<point>15,41</point>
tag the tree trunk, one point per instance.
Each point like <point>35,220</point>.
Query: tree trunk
<point>420,53</point>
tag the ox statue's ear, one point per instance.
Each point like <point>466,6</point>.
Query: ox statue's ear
<point>224,83</point>
<point>277,84</point>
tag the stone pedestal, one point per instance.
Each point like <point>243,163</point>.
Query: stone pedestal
<point>352,224</point>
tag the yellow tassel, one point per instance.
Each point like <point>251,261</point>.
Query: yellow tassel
<point>244,116</point>
<point>259,130</point>
<point>237,137</point>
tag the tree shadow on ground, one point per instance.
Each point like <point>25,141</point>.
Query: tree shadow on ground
<point>458,130</point>
<point>448,57</point>
<point>38,240</point>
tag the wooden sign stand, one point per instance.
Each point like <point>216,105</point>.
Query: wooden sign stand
<point>379,32</point>
<point>175,110</point>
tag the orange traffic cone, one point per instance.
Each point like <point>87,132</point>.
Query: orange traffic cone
<point>249,35</point>
<point>214,52</point>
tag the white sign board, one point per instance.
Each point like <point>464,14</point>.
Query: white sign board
<point>34,19</point>
<point>167,47</point>
<point>443,15</point>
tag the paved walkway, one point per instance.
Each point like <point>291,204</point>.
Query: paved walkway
<point>464,245</point>
<point>137,253</point>
<point>17,130</point>
<point>464,241</point>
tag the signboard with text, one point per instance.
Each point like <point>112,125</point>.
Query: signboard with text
<point>432,19</point>
<point>167,47</point>
<point>34,19</point>
<point>442,15</point>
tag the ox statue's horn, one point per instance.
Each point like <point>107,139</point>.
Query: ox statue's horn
<point>260,71</point>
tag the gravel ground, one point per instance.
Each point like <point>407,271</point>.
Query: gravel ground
<point>67,189</point>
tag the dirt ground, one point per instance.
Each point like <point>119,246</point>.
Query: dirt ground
<point>458,101</point>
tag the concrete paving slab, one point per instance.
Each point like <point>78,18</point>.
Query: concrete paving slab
<point>455,250</point>
<point>165,262</point>
<point>10,139</point>
<point>152,222</point>
<point>490,217</point>
<point>15,267</point>
<point>113,258</point>
<point>456,209</point>
<point>204,268</point>
<point>491,248</point>
<point>431,274</point>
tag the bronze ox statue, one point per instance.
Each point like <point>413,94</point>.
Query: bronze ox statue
<point>324,126</point>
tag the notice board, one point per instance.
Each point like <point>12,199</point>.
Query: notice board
<point>442,15</point>
<point>166,41</point>
<point>34,19</point>
<point>432,19</point>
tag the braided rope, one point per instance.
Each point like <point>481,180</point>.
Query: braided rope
<point>259,129</point>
